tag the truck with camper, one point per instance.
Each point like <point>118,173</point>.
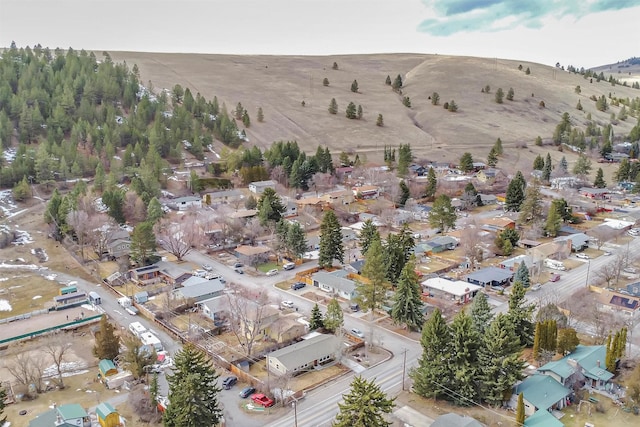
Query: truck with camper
<point>149,339</point>
<point>554,264</point>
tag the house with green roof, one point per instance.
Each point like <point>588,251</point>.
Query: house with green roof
<point>541,392</point>
<point>67,415</point>
<point>542,419</point>
<point>586,363</point>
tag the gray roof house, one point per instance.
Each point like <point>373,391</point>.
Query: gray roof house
<point>304,355</point>
<point>201,291</point>
<point>258,187</point>
<point>490,276</point>
<point>514,262</point>
<point>579,241</point>
<point>455,420</point>
<point>214,307</point>
<point>188,202</point>
<point>442,243</point>
<point>335,282</point>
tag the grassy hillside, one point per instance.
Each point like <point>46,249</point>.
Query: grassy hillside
<point>279,84</point>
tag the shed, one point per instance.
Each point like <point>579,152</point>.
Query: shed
<point>107,415</point>
<point>141,297</point>
<point>107,368</point>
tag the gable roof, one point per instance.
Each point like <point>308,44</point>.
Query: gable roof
<point>207,287</point>
<point>455,420</point>
<point>588,357</point>
<point>442,241</point>
<point>542,391</point>
<point>457,288</point>
<point>105,365</point>
<point>104,409</point>
<point>542,418</point>
<point>307,350</point>
<point>336,279</point>
<point>490,274</point>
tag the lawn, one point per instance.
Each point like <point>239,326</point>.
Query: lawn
<point>27,292</point>
<point>612,415</point>
<point>268,266</point>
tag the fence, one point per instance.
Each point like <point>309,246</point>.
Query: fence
<point>24,316</point>
<point>68,325</point>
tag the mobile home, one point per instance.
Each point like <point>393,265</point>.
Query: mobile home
<point>137,329</point>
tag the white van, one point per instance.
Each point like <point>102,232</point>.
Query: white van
<point>137,329</point>
<point>289,266</point>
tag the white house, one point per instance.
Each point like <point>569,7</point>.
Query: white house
<point>258,187</point>
<point>188,202</point>
<point>335,282</point>
<point>304,355</point>
<point>458,291</point>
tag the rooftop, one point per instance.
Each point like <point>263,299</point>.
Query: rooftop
<point>306,350</point>
<point>457,288</point>
<point>542,391</point>
<point>490,274</point>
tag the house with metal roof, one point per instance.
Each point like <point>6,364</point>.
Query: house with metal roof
<point>201,291</point>
<point>455,420</point>
<point>456,290</point>
<point>579,241</point>
<point>442,243</point>
<point>542,419</point>
<point>585,360</point>
<point>214,307</point>
<point>258,187</point>
<point>107,368</point>
<point>186,203</point>
<point>514,262</point>
<point>490,276</point>
<point>67,415</point>
<point>304,355</point>
<point>335,282</point>
<point>541,392</point>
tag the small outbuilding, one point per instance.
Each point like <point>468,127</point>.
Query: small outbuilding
<point>107,368</point>
<point>107,415</point>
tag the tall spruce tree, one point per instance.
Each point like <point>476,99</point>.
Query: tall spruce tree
<point>500,359</point>
<point>546,170</point>
<point>371,293</point>
<point>443,214</point>
<point>599,181</point>
<point>316,322</point>
<point>522,275</point>
<point>432,377</point>
<point>331,247</point>
<point>407,305</point>
<point>531,208</point>
<point>481,314</point>
<point>364,406</point>
<point>466,162</point>
<point>515,193</point>
<point>193,387</point>
<point>465,342</point>
<point>432,184</point>
<point>107,342</point>
<point>520,314</point>
<point>368,233</point>
<point>333,318</point>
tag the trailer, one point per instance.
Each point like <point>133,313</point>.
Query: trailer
<point>137,328</point>
<point>94,298</point>
<point>117,380</point>
<point>149,339</point>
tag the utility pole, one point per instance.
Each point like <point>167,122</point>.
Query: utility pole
<point>404,364</point>
<point>295,412</point>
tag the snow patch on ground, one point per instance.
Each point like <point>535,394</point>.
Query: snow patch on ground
<point>22,238</point>
<point>37,297</point>
<point>20,266</point>
<point>10,154</point>
<point>51,276</point>
<point>4,305</point>
<point>67,368</point>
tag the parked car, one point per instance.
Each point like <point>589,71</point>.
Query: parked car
<point>298,285</point>
<point>288,266</point>
<point>554,278</point>
<point>247,391</point>
<point>263,400</point>
<point>287,304</point>
<point>238,265</point>
<point>536,287</point>
<point>630,270</point>
<point>357,332</point>
<point>229,382</point>
<point>497,288</point>
<point>582,256</point>
<point>272,272</point>
<point>607,253</point>
<point>207,267</point>
<point>238,270</point>
<point>354,307</point>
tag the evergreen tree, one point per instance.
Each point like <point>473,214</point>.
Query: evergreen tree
<point>354,86</point>
<point>143,242</point>
<point>364,406</point>
<point>397,83</point>
<point>193,387</point>
<point>452,107</point>
<point>21,191</point>
<point>406,101</point>
<point>435,98</point>
<point>333,318</point>
<point>325,82</point>
<point>334,66</point>
<point>333,106</point>
<point>553,224</point>
<point>136,358</point>
<point>359,113</point>
<point>520,314</point>
<point>510,94</point>
<point>538,141</point>
<point>564,165</point>
<point>270,207</point>
<point>432,377</point>
<point>538,163</point>
<point>3,396</point>
<point>154,210</point>
<point>331,247</point>
<point>567,341</point>
<point>296,240</point>
<point>405,157</point>
<point>407,305</point>
<point>610,358</point>
<point>380,121</point>
<point>624,171</point>
<point>404,193</point>
<point>500,359</point>
<point>522,275</point>
<point>497,146</point>
<point>443,215</point>
<point>351,111</point>
<point>582,166</point>
<point>371,293</point>
<point>466,162</point>
<point>107,342</point>
<point>599,181</point>
<point>465,342</point>
<point>515,193</point>
<point>260,115</point>
<point>520,414</point>
<point>388,81</point>
<point>546,170</point>
<point>316,322</point>
<point>99,178</point>
<point>153,392</point>
<point>432,184</point>
<point>368,233</point>
<point>499,96</point>
<point>531,208</point>
<point>492,158</point>
<point>481,314</point>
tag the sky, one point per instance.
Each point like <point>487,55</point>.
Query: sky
<point>583,33</point>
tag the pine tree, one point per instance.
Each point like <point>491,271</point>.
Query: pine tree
<point>497,146</point>
<point>153,392</point>
<point>520,314</point>
<point>466,162</point>
<point>522,275</point>
<point>406,101</point>
<point>499,95</point>
<point>452,107</point>
<point>354,86</point>
<point>397,83</point>
<point>371,293</point>
<point>553,224</point>
<point>515,193</point>
<point>333,106</point>
<point>368,233</point>
<point>331,247</point>
<point>316,321</point>
<point>364,406</point>
<point>465,342</point>
<point>435,98</point>
<point>432,184</point>
<point>510,94</point>
<point>270,207</point>
<point>443,215</point>
<point>492,158</point>
<point>154,210</point>
<point>143,242</point>
<point>107,342</point>
<point>388,81</point>
<point>407,306</point>
<point>582,167</point>
<point>404,193</point>
<point>564,165</point>
<point>260,116</point>
<point>520,407</point>
<point>531,208</point>
<point>325,82</point>
<point>333,318</point>
<point>546,170</point>
<point>567,341</point>
<point>193,387</point>
<point>351,111</point>
<point>481,314</point>
<point>538,163</point>
<point>500,359</point>
<point>335,66</point>
<point>599,181</point>
<point>359,112</point>
<point>380,121</point>
<point>432,377</point>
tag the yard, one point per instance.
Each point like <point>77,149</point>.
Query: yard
<point>603,413</point>
<point>21,298</point>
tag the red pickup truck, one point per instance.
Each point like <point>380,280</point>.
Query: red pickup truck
<point>263,400</point>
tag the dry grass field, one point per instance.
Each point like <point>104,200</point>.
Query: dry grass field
<point>279,84</point>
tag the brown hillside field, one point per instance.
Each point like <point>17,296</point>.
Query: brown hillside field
<point>279,84</point>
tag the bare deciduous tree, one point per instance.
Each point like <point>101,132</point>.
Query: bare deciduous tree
<point>608,272</point>
<point>27,367</point>
<point>103,228</point>
<point>322,182</point>
<point>134,209</point>
<point>56,346</point>
<point>602,234</point>
<point>471,244</point>
<point>180,237</point>
<point>252,230</point>
<point>79,221</point>
<point>247,312</point>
